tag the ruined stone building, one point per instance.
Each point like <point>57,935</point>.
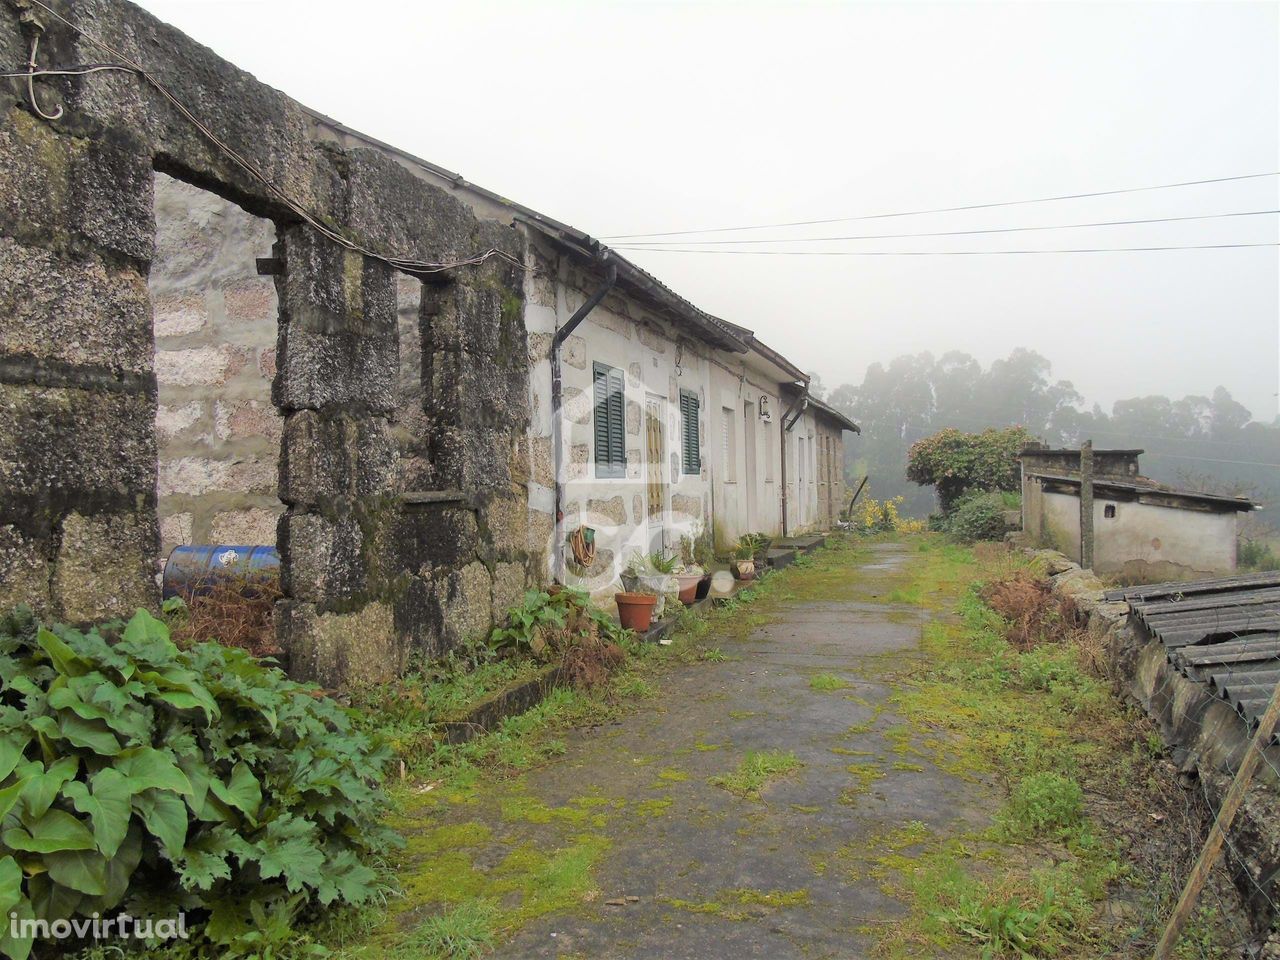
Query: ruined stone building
<point>225,318</point>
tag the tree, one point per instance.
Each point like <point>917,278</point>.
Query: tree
<point>955,463</point>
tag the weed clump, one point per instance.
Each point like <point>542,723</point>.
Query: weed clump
<point>757,769</point>
<point>1033,614</point>
<point>1044,804</point>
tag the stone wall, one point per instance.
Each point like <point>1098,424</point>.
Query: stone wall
<point>215,320</point>
<point>1205,737</point>
<point>371,572</point>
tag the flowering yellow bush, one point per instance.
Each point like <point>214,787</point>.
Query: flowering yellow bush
<point>882,516</point>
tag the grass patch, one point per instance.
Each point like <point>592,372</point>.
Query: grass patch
<point>826,682</point>
<point>463,933</point>
<point>757,770</point>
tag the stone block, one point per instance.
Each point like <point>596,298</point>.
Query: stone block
<point>466,598</point>
<point>176,530</point>
<point>267,361</point>
<point>651,338</point>
<point>104,567</point>
<point>539,348</point>
<point>24,572</point>
<point>111,200</point>
<point>508,589</point>
<point>73,195</point>
<point>635,375</point>
<point>637,508</point>
<point>193,476</point>
<point>541,461</point>
<point>323,560</point>
<point>324,370</point>
<point>578,405</point>
<point>177,314</point>
<point>394,210</point>
<point>471,459</point>
<point>477,318</point>
<point>605,512</point>
<point>327,289</point>
<point>475,390</point>
<point>199,366</point>
<point>507,521</point>
<point>433,536</point>
<point>633,418</point>
<point>685,507</point>
<point>573,353</point>
<point>633,464</point>
<point>173,422</point>
<point>79,311</point>
<point>325,456</point>
<point>541,531</point>
<point>251,302</point>
<point>68,449</point>
<point>347,649</point>
<point>250,527</point>
<point>247,419</point>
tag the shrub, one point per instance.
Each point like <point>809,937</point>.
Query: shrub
<point>955,462</point>
<point>881,516</point>
<point>975,516</point>
<point>1256,555</point>
<point>139,776</point>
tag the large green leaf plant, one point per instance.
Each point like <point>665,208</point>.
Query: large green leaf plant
<point>136,776</point>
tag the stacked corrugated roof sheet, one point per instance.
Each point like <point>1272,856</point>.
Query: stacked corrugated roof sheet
<point>1224,633</point>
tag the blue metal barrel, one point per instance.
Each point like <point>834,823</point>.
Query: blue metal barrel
<point>194,569</point>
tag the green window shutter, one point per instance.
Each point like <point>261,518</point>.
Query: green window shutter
<point>690,445</point>
<point>610,421</point>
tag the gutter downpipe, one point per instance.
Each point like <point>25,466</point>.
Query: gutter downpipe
<point>801,402</point>
<point>561,335</point>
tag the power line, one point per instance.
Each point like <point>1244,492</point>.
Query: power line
<point>913,213</point>
<point>935,253</point>
<point>245,163</point>
<point>659,244</point>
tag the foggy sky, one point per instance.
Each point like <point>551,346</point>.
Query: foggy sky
<point>623,117</point>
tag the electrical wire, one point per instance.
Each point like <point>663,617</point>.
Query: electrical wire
<point>914,213</point>
<point>251,168</point>
<point>658,244</point>
<point>936,253</point>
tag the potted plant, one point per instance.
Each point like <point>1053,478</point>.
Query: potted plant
<point>635,609</point>
<point>689,576</point>
<point>636,568</point>
<point>743,564</point>
<point>760,543</point>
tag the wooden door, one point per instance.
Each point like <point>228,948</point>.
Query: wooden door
<point>655,472</point>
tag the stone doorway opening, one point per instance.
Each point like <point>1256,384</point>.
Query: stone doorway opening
<point>215,322</point>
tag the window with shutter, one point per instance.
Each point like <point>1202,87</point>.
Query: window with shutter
<point>610,421</point>
<point>690,445</point>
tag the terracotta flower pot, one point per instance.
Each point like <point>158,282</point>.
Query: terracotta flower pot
<point>635,610</point>
<point>688,587</point>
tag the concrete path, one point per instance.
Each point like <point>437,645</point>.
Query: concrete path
<point>715,875</point>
